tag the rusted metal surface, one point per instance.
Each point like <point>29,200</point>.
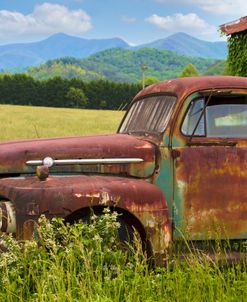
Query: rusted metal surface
<point>234,26</point>
<point>14,155</point>
<point>42,172</point>
<point>60,196</point>
<point>210,200</point>
<point>212,184</point>
<point>184,86</point>
<point>29,229</point>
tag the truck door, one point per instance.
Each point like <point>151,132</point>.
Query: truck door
<point>209,148</point>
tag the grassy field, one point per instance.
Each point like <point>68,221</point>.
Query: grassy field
<point>32,122</point>
<point>84,262</point>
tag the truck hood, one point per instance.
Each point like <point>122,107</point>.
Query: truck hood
<point>14,155</point>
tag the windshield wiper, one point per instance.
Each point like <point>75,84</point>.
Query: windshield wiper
<point>201,115</point>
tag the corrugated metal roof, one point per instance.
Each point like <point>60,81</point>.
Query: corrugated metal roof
<point>234,26</point>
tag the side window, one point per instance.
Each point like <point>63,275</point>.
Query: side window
<point>192,117</point>
<point>226,120</point>
<point>225,116</point>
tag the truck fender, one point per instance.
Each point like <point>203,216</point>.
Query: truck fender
<point>62,196</point>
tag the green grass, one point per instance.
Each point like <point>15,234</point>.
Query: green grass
<point>18,122</point>
<point>84,263</point>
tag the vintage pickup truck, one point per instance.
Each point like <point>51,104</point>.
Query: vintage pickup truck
<point>177,168</point>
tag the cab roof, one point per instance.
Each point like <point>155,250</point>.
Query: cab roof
<point>184,86</point>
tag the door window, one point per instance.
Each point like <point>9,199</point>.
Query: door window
<point>224,116</point>
<point>192,118</point>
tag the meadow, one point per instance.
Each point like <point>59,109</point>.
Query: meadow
<point>84,262</point>
<point>20,122</point>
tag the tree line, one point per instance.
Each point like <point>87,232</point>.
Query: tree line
<point>21,89</point>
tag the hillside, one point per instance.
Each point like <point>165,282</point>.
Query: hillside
<point>66,68</point>
<point>190,46</point>
<point>121,65</point>
<point>17,57</point>
<point>219,68</point>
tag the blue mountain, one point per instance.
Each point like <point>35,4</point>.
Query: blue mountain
<point>20,56</point>
<point>190,46</point>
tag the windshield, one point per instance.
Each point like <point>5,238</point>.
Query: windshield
<point>149,115</point>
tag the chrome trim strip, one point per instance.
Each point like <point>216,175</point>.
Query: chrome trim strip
<point>93,161</point>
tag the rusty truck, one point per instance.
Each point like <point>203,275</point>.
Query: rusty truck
<point>176,168</point>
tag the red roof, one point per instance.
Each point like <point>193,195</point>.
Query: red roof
<point>234,26</point>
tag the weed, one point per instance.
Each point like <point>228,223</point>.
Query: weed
<point>83,262</point>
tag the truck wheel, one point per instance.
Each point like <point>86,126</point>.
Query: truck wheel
<point>125,231</point>
<point>128,228</point>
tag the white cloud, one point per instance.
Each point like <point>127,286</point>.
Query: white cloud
<point>46,19</point>
<point>128,19</point>
<point>221,7</point>
<point>189,23</point>
<point>226,7</point>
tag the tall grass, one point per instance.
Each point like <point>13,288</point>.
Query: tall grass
<point>83,262</point>
<point>18,122</point>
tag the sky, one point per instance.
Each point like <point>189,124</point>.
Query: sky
<point>135,21</point>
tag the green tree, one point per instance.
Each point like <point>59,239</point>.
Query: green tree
<point>54,92</point>
<point>21,89</point>
<point>77,98</point>
<point>151,80</point>
<point>189,71</point>
<point>219,68</point>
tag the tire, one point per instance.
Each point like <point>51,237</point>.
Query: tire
<point>125,231</point>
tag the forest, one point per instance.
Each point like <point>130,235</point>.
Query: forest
<point>121,65</point>
<point>21,89</point>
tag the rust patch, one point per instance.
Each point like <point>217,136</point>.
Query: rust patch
<point>42,172</point>
<point>14,155</point>
<point>182,87</point>
<point>59,196</point>
<point>212,182</point>
<point>28,229</point>
<point>32,209</point>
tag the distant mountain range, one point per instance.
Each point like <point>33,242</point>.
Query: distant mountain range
<point>20,56</point>
<point>190,46</point>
